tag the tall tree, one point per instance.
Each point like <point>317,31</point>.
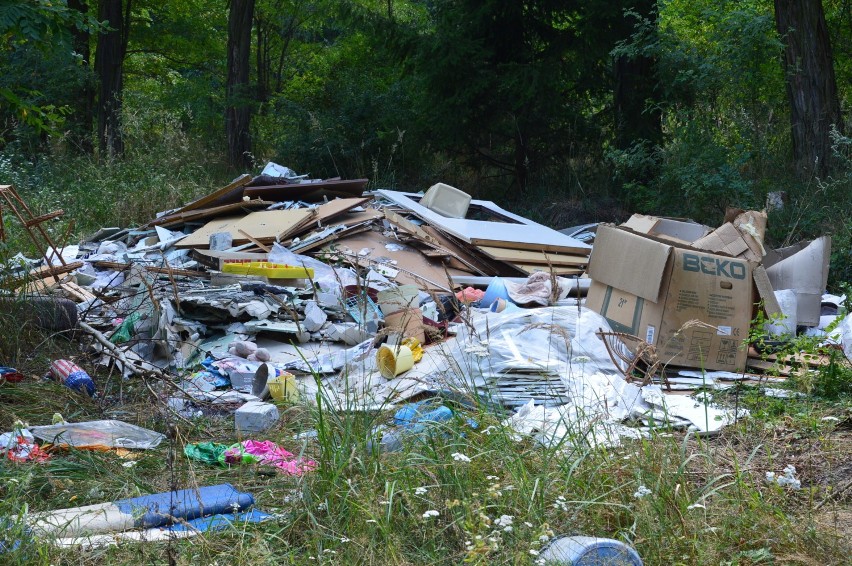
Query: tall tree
<point>109,66</point>
<point>238,96</point>
<point>83,117</point>
<point>811,86</point>
<point>637,118</point>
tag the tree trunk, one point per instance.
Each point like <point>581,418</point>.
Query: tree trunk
<point>811,87</point>
<point>109,63</point>
<point>635,86</point>
<point>238,103</point>
<point>82,118</point>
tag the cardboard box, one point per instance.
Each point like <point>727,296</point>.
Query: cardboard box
<point>651,290</point>
<point>803,268</point>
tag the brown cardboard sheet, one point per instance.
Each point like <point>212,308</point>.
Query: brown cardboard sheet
<point>265,226</point>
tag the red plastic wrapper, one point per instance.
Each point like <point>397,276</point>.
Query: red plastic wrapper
<point>10,374</point>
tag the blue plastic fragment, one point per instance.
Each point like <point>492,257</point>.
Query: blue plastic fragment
<point>221,522</point>
<point>160,509</point>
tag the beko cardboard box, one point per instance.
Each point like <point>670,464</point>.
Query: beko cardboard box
<point>651,290</point>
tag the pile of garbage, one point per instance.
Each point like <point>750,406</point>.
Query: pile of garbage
<point>277,288</point>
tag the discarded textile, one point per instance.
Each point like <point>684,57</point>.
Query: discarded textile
<point>185,529</point>
<point>141,512</point>
<point>265,453</point>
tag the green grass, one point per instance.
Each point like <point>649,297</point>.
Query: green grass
<point>708,501</point>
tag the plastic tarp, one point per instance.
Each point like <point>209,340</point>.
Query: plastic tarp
<point>98,435</point>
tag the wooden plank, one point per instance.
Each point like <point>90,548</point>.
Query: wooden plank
<point>162,270</point>
<point>498,242</point>
<point>254,241</point>
<point>336,207</point>
<point>410,227</point>
<point>265,226</point>
<point>528,256</point>
<point>48,271</point>
<point>468,257</point>
<point>414,268</point>
<point>315,189</point>
<point>529,269</point>
<point>232,192</point>
<point>179,219</point>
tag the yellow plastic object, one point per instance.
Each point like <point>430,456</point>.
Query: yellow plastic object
<point>266,269</point>
<point>415,347</point>
<point>394,360</point>
<point>283,388</point>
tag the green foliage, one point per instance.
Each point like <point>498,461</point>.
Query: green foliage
<point>40,65</point>
<point>722,94</point>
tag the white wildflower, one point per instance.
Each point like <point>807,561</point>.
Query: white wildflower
<point>344,539</point>
<point>459,457</point>
<point>789,478</point>
<point>322,506</point>
<point>641,492</point>
<point>430,513</point>
<point>528,524</point>
<point>696,506</point>
<point>533,552</point>
<point>421,491</point>
<point>543,539</point>
<point>492,478</point>
<point>504,520</point>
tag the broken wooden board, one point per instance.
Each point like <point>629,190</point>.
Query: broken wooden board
<point>117,266</point>
<point>347,224</point>
<point>468,256</point>
<point>398,262</point>
<point>266,226</point>
<point>203,214</point>
<point>338,207</point>
<point>310,190</point>
<point>233,192</point>
<point>510,231</point>
<point>509,255</point>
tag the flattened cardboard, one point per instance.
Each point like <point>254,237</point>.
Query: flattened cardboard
<point>765,291</point>
<point>687,285</point>
<point>629,262</point>
<point>680,231</point>
<point>726,240</point>
<point>802,267</point>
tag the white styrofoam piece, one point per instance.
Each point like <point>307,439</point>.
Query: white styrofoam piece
<point>255,416</point>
